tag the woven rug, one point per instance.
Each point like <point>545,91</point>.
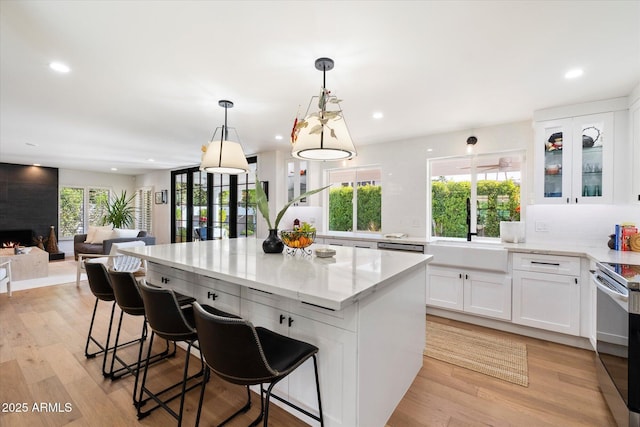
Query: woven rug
<point>489,355</point>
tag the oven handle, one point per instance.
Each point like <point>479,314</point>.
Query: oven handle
<point>607,290</point>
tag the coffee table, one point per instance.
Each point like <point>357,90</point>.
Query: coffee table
<point>32,265</point>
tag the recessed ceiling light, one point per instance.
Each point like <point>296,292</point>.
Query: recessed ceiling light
<point>30,144</point>
<point>59,67</point>
<point>378,115</point>
<point>114,169</point>
<point>572,74</point>
<point>36,164</point>
<point>278,137</point>
<point>151,160</point>
<point>429,150</point>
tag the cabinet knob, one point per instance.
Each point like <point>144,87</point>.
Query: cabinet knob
<point>282,317</point>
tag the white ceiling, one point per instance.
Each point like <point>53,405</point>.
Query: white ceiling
<point>147,75</point>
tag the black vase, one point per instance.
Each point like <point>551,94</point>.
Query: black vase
<point>272,244</point>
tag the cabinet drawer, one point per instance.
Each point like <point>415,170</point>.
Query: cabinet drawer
<point>344,319</point>
<point>218,299</point>
<point>555,264</point>
<point>167,277</point>
<point>265,298</point>
<point>221,285</point>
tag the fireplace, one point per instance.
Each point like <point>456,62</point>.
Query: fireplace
<point>9,238</point>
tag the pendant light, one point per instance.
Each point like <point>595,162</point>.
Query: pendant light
<point>322,134</point>
<point>224,156</point>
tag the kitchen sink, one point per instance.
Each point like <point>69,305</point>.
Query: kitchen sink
<point>476,255</point>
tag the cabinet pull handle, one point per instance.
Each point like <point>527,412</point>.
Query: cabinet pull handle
<point>576,280</point>
<point>567,200</point>
<point>282,317</point>
<point>165,280</point>
<point>555,264</point>
<point>466,277</point>
<point>212,295</point>
<point>460,276</point>
<point>290,321</point>
<point>576,200</point>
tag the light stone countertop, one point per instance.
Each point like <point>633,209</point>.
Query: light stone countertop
<point>333,283</point>
<point>599,253</point>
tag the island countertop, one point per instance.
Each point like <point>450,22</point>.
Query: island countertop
<point>333,283</point>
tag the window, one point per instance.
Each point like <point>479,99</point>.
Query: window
<point>359,210</point>
<point>143,209</point>
<point>491,182</point>
<point>80,207</point>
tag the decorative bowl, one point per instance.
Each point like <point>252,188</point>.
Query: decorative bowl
<point>325,252</point>
<point>295,239</point>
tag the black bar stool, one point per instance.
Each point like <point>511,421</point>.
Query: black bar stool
<point>171,321</point>
<point>242,354</point>
<point>128,298</point>
<point>101,288</point>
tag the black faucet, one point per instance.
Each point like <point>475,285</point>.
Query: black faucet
<point>469,233</point>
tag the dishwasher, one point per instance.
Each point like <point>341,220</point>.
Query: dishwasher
<point>404,247</point>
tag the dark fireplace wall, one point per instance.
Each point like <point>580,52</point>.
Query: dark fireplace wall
<point>28,198</point>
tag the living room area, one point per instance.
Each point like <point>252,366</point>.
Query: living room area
<point>39,246</point>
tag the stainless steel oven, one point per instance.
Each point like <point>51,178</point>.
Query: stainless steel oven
<point>618,339</point>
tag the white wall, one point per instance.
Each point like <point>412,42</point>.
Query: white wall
<point>161,213</point>
<point>113,181</point>
<point>404,168</point>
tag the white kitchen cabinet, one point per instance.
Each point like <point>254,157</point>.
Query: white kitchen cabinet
<point>445,288</point>
<point>336,362</point>
<point>574,159</point>
<point>546,292</point>
<point>297,176</point>
<point>471,291</point>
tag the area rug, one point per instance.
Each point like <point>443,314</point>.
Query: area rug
<point>489,355</point>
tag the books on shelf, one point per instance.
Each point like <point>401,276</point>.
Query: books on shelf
<point>623,234</point>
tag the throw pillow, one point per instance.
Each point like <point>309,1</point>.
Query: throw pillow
<point>102,235</point>
<point>91,234</point>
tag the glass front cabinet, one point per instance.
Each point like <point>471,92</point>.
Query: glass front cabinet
<point>296,180</point>
<point>574,160</point>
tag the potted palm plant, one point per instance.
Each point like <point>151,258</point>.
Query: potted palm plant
<point>120,211</point>
<point>273,244</point>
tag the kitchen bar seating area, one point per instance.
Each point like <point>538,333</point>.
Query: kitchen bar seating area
<point>55,372</point>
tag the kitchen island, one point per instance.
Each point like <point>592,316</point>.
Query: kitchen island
<point>363,308</point>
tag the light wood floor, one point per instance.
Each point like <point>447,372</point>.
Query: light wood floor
<point>42,360</point>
